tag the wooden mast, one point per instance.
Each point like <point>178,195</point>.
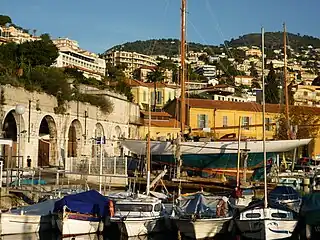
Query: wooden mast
<point>285,81</point>
<point>182,85</point>
<point>264,125</point>
<point>148,147</point>
<point>183,70</point>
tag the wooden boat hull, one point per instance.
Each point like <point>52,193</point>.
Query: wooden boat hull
<point>141,226</point>
<point>202,228</point>
<point>19,224</point>
<point>72,226</point>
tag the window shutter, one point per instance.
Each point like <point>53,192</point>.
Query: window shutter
<point>206,121</point>
<point>198,117</point>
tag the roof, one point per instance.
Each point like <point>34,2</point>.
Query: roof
<point>171,123</point>
<point>242,106</point>
<point>156,114</point>
<point>137,83</point>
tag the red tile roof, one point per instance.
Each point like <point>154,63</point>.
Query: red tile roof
<point>171,123</point>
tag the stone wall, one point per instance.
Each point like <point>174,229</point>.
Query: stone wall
<point>84,117</point>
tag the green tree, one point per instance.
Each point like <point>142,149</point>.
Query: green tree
<point>4,19</point>
<point>253,70</point>
<point>136,74</point>
<point>115,73</point>
<point>255,84</point>
<point>272,87</point>
<point>35,53</point>
<point>155,76</point>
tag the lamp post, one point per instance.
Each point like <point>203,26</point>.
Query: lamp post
<point>20,109</point>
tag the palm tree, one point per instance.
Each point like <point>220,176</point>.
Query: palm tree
<point>155,76</point>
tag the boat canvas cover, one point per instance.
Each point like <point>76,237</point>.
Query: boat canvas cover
<point>310,208</point>
<point>204,206</point>
<point>42,208</point>
<point>90,202</point>
<point>283,193</point>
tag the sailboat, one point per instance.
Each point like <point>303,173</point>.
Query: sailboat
<point>265,220</point>
<point>140,214</point>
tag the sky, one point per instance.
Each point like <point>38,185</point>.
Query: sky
<point>100,24</point>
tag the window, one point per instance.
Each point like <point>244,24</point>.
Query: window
<point>159,97</point>
<point>245,123</point>
<point>157,208</point>
<point>202,120</point>
<point>305,93</point>
<point>144,96</point>
<point>279,215</point>
<point>253,215</point>
<point>225,121</point>
<point>268,126</point>
<point>134,207</point>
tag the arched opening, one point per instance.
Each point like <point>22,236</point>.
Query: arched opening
<point>117,131</point>
<point>118,150</point>
<point>98,141</point>
<point>47,151</point>
<point>10,131</point>
<point>74,139</point>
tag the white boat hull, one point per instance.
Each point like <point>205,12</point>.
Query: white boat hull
<point>216,147</point>
<point>279,229</point>
<point>18,224</point>
<point>202,228</point>
<point>141,226</point>
<point>73,227</point>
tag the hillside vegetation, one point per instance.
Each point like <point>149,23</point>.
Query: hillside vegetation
<point>170,47</point>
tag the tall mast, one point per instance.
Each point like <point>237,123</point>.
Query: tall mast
<point>148,147</point>
<point>264,124</point>
<point>183,74</point>
<point>285,81</point>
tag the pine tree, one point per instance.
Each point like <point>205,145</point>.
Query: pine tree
<point>272,87</point>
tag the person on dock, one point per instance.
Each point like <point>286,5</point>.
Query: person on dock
<point>236,194</point>
<point>221,209</point>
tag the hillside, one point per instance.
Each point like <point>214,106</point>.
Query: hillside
<point>170,47</point>
<point>167,47</point>
<point>274,40</point>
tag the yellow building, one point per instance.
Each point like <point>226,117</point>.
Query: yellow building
<point>218,119</point>
<point>144,92</point>
<point>163,126</point>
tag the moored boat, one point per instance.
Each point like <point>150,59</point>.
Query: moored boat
<point>196,216</point>
<point>139,216</point>
<point>30,219</point>
<point>82,213</point>
<point>286,195</point>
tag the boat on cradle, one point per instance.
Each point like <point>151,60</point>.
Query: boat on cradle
<point>138,215</point>
<point>210,156</point>
<point>309,217</point>
<point>286,195</point>
<point>259,222</point>
<point>29,219</point>
<point>195,216</point>
<point>82,213</point>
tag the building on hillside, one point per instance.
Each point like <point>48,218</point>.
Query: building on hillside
<point>307,95</point>
<point>221,89</point>
<point>71,55</point>
<point>208,71</point>
<point>12,34</point>
<point>163,126</point>
<point>254,52</point>
<point>243,80</point>
<point>307,77</point>
<point>145,70</point>
<point>143,93</point>
<point>132,60</point>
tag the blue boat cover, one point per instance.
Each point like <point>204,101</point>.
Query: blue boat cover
<point>90,202</point>
<point>310,208</point>
<point>283,193</point>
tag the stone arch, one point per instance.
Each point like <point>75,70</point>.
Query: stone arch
<point>47,150</point>
<point>75,139</point>
<point>117,132</point>
<point>97,148</point>
<point>11,125</point>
